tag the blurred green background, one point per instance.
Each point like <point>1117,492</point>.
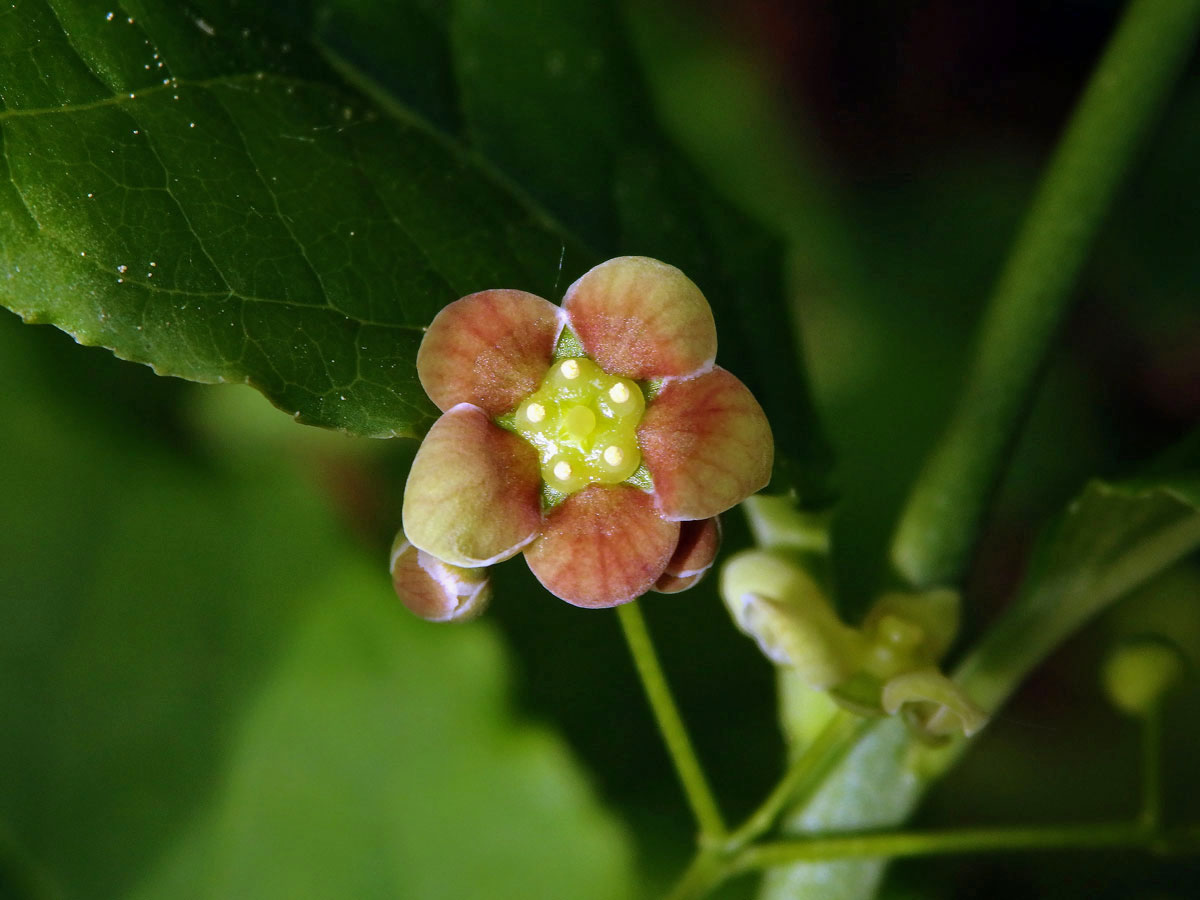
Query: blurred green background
<point>209,690</point>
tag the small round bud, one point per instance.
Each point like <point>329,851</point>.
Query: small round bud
<point>931,617</point>
<point>1139,671</point>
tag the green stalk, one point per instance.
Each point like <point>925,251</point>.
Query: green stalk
<point>941,521</point>
<point>1152,789</point>
<point>802,778</point>
<point>890,845</point>
<point>712,864</point>
<point>670,724</point>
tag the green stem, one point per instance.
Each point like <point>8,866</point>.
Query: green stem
<point>1151,815</point>
<point>670,724</point>
<point>706,871</point>
<point>890,845</point>
<point>940,523</point>
<point>803,777</point>
<point>713,864</point>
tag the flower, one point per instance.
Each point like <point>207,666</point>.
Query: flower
<point>597,437</point>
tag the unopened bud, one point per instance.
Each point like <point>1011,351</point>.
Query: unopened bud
<point>774,601</point>
<point>1139,671</point>
<point>911,630</point>
<point>937,704</point>
<point>434,590</point>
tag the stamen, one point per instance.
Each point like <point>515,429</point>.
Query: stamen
<point>562,470</point>
<point>535,412</point>
<point>619,393</point>
<point>570,369</point>
<point>613,455</point>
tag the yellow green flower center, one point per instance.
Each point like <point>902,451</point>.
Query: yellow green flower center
<point>583,423</point>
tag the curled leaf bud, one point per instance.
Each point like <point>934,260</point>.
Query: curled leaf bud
<point>434,590</point>
<point>1139,671</point>
<point>777,603</point>
<point>699,542</point>
<point>934,703</point>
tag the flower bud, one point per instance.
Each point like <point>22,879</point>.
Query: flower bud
<point>776,602</point>
<point>937,704</point>
<point>1139,671</point>
<point>699,542</point>
<point>434,590</point>
<point>909,631</point>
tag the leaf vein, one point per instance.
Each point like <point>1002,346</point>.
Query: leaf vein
<point>180,206</point>
<point>13,181</point>
<point>287,226</point>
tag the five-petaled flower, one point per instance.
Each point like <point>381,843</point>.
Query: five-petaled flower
<point>598,437</point>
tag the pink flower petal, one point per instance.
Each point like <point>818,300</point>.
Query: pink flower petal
<point>643,319</point>
<point>676,584</point>
<point>602,547</point>
<point>489,349</point>
<point>473,494</point>
<point>699,542</point>
<point>434,590</point>
<point>707,444</point>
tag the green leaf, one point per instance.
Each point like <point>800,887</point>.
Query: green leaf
<point>195,188</point>
<point>208,692</point>
<point>382,762</point>
<point>231,197</point>
<point>1111,539</point>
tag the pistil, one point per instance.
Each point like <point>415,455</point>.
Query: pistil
<point>583,423</point>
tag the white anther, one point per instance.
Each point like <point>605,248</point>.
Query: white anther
<point>535,412</point>
<point>562,470</point>
<point>619,393</point>
<point>613,455</point>
<point>570,369</point>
